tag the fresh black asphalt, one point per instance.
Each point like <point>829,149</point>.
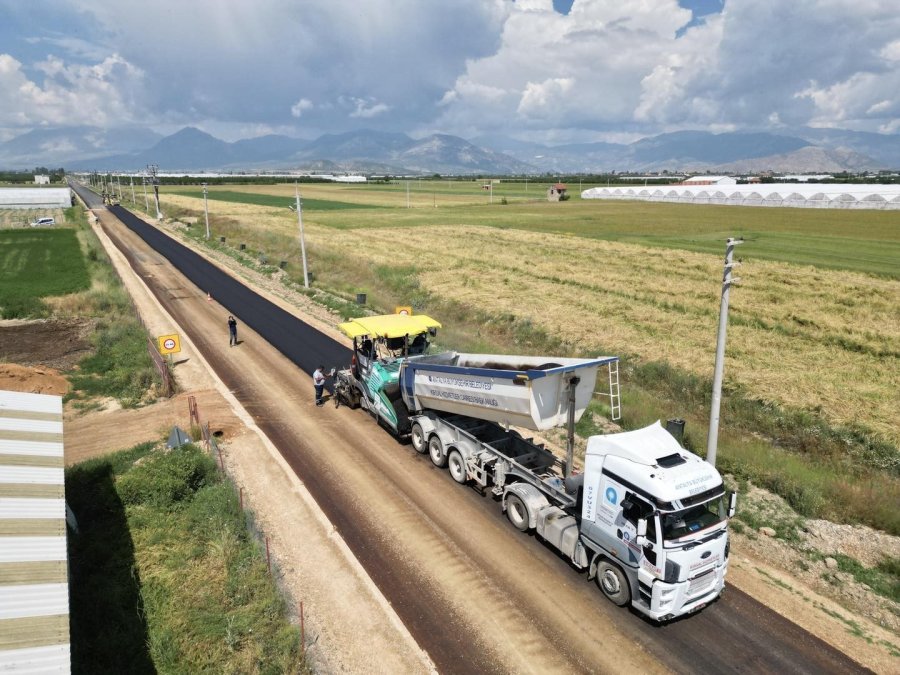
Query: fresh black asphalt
<point>298,341</point>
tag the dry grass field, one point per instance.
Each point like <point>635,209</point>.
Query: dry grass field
<point>820,340</point>
<point>813,357</point>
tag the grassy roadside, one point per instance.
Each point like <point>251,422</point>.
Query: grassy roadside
<point>120,366</point>
<point>164,574</point>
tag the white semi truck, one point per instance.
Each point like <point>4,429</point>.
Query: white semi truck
<point>647,518</point>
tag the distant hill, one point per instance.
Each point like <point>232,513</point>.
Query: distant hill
<point>704,151</point>
<point>368,151</point>
<point>61,146</point>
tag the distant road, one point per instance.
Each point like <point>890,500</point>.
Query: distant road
<point>301,343</point>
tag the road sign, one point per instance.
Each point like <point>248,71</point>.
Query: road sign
<point>169,344</point>
<point>403,310</point>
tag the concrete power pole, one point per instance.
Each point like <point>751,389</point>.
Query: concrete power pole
<point>153,170</point>
<point>302,239</point>
<point>712,440</point>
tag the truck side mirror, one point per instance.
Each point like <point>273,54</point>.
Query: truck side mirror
<point>641,538</point>
<point>732,504</point>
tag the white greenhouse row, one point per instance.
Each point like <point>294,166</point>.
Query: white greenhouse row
<point>816,195</point>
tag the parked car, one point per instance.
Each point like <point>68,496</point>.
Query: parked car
<point>43,222</point>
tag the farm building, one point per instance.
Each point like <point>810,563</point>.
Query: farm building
<point>556,192</point>
<point>41,179</point>
<point>800,195</point>
<point>34,590</point>
<point>35,198</point>
<point>710,180</point>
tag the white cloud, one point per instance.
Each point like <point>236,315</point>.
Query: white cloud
<point>541,98</point>
<point>68,94</point>
<point>366,108</point>
<point>469,67</point>
<point>300,106</point>
<point>632,68</point>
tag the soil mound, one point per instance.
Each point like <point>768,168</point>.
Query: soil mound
<point>14,377</point>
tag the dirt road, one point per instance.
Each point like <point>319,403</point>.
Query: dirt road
<point>474,593</point>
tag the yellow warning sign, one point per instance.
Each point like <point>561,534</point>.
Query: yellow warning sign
<point>403,310</point>
<point>169,344</point>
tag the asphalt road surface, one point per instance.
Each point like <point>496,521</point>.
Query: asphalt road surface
<point>476,594</point>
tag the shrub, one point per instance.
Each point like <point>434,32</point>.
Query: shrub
<point>166,479</point>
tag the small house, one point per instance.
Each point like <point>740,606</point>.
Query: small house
<point>556,192</point>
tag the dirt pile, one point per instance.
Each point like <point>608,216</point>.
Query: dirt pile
<point>14,377</point>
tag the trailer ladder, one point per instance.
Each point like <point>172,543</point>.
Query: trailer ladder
<point>615,402</point>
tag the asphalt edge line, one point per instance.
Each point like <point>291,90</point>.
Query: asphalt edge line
<point>119,261</point>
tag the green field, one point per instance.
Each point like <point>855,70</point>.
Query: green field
<point>268,200</point>
<point>36,264</point>
<point>858,240</point>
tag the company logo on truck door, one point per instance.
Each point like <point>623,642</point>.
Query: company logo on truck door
<point>612,496</point>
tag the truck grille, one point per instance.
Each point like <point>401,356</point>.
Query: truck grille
<point>701,583</point>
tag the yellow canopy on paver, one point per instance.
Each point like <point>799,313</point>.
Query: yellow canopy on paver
<point>388,325</point>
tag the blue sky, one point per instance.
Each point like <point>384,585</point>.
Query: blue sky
<point>547,70</point>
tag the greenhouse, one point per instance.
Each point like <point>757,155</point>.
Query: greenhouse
<point>800,195</point>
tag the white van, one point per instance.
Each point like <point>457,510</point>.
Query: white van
<point>43,222</point>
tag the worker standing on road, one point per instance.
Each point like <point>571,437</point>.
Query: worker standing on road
<point>232,330</point>
<point>319,383</point>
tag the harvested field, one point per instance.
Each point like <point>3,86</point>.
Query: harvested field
<point>806,338</point>
<point>819,340</point>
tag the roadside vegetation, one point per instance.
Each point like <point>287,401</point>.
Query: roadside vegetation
<point>165,575</point>
<point>813,363</point>
<point>63,273</point>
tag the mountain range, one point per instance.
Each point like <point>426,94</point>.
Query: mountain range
<point>801,150</point>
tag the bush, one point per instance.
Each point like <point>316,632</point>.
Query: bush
<point>164,480</point>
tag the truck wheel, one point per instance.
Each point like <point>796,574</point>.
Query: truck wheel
<point>613,582</point>
<point>436,451</point>
<point>417,436</point>
<point>517,512</point>
<point>457,467</point>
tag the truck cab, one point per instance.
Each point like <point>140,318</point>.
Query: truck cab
<point>655,515</point>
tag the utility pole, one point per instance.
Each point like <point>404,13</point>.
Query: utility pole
<point>146,202</point>
<point>302,241</point>
<point>153,170</point>
<point>131,178</point>
<point>205,210</point>
<point>712,440</point>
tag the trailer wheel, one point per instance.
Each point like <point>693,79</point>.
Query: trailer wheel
<point>417,436</point>
<point>457,467</point>
<point>436,451</point>
<point>517,512</point>
<point>613,582</point>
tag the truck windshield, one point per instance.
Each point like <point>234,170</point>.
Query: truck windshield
<point>682,523</point>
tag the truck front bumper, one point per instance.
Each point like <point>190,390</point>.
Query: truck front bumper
<point>669,601</point>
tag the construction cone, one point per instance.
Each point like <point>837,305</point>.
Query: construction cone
<point>208,297</point>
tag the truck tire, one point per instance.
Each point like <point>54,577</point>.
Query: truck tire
<point>436,451</point>
<point>517,512</point>
<point>613,582</point>
<point>419,441</point>
<point>457,467</point>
